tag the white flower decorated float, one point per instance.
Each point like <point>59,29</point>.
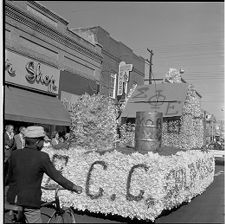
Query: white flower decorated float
<point>135,185</point>
<point>132,184</point>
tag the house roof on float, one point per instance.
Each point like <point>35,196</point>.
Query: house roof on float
<point>168,98</point>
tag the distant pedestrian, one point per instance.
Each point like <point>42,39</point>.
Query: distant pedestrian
<point>9,145</point>
<point>67,136</point>
<point>47,141</point>
<point>55,138</point>
<point>19,138</point>
<point>61,139</point>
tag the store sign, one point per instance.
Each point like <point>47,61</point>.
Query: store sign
<point>120,84</point>
<point>123,76</point>
<point>27,72</point>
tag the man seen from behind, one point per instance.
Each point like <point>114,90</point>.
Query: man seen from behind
<point>26,169</point>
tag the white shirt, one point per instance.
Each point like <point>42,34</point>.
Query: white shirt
<point>23,140</point>
<point>10,135</point>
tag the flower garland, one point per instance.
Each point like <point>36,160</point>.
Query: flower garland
<point>133,185</point>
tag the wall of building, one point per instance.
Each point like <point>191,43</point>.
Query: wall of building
<point>35,32</point>
<point>113,53</point>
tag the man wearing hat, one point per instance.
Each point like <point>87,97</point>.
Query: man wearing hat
<point>26,169</point>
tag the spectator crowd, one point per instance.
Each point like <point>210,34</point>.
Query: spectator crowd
<point>24,167</point>
<point>13,141</point>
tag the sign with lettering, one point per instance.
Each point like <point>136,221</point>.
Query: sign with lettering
<point>27,72</point>
<point>166,98</point>
<point>123,76</point>
<point>120,84</point>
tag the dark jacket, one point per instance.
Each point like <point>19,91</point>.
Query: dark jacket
<point>26,169</point>
<point>11,146</point>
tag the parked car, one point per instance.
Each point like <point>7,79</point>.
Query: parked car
<point>217,149</point>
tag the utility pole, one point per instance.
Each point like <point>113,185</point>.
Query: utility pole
<point>150,65</point>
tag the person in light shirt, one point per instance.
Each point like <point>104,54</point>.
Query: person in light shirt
<point>9,145</point>
<point>55,138</point>
<point>19,138</point>
<point>47,141</point>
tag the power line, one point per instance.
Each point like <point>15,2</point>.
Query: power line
<point>192,55</point>
<point>183,48</point>
<point>208,101</point>
<point>202,80</point>
<point>190,44</point>
<point>206,72</point>
<point>195,74</point>
<point>203,76</point>
<point>192,49</point>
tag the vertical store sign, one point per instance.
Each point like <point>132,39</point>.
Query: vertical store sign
<point>123,76</point>
<point>113,85</point>
<point>24,71</point>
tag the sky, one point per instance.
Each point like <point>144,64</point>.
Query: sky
<point>187,35</point>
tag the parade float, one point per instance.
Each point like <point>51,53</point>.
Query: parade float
<point>130,183</point>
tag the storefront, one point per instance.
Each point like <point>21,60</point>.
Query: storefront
<point>30,94</point>
<point>44,61</point>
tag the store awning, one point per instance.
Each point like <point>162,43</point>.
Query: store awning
<point>167,98</point>
<point>27,106</point>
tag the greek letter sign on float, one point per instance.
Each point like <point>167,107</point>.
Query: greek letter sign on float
<point>166,98</point>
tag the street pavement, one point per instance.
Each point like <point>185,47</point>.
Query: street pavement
<point>205,208</point>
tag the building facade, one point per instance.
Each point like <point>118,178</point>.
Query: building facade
<point>114,52</point>
<point>45,63</point>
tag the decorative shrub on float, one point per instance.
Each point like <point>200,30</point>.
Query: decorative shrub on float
<point>94,122</point>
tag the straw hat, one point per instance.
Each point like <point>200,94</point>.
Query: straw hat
<point>34,132</point>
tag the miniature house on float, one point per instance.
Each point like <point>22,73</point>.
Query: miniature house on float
<point>179,102</point>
